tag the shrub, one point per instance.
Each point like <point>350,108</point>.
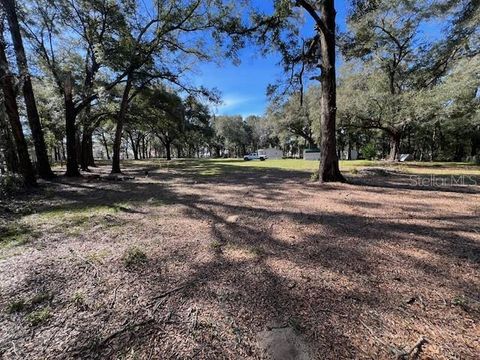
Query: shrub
<point>315,176</point>
<point>369,151</point>
<point>134,256</point>
<point>10,184</point>
<point>16,306</point>
<point>40,316</point>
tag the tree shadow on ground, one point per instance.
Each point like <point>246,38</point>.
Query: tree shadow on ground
<point>330,275</point>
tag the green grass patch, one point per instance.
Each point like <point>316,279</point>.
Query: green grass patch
<point>78,299</point>
<point>39,316</point>
<point>73,220</point>
<point>16,305</point>
<point>216,245</point>
<point>15,234</point>
<point>217,167</point>
<point>134,256</point>
<point>98,257</point>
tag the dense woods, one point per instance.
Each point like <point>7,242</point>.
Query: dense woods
<point>90,80</point>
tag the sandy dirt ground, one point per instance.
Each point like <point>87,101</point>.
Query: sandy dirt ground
<point>178,265</point>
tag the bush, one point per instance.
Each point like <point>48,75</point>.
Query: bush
<point>10,184</point>
<point>40,316</point>
<point>16,306</point>
<point>315,176</point>
<point>134,256</point>
<point>369,152</point>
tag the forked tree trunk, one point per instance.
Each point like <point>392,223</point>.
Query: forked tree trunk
<point>394,147</point>
<point>119,130</point>
<point>329,169</point>
<point>11,108</point>
<point>70,128</point>
<point>43,164</point>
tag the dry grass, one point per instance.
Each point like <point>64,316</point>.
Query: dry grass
<point>357,269</point>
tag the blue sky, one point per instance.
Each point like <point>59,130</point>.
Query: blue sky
<point>243,87</point>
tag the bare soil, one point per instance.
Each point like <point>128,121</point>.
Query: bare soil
<point>357,271</point>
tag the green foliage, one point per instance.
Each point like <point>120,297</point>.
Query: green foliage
<point>10,184</point>
<point>16,306</point>
<point>369,151</point>
<point>134,256</point>
<point>38,317</point>
<point>400,83</point>
<point>297,118</point>
<point>78,300</point>
<point>14,234</point>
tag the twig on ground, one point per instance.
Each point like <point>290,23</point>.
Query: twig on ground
<point>112,304</point>
<point>392,349</point>
<point>332,312</point>
<point>415,351</point>
<point>165,294</point>
<point>15,350</point>
<point>123,329</point>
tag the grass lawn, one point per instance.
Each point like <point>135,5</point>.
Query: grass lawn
<point>219,166</point>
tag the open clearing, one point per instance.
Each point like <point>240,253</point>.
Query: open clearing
<point>194,259</point>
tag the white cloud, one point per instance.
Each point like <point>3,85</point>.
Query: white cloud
<point>232,101</point>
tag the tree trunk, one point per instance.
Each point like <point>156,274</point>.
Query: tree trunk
<point>394,147</point>
<point>329,169</point>
<point>134,146</point>
<point>11,158</point>
<point>43,164</point>
<point>119,130</point>
<point>70,128</point>
<point>11,108</point>
<point>168,150</point>
<point>105,144</point>
<point>86,156</point>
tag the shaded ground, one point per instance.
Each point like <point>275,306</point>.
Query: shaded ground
<point>197,259</point>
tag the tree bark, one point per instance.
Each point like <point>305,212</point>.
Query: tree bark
<point>134,145</point>
<point>329,169</point>
<point>105,144</point>
<point>9,152</point>
<point>395,139</point>
<point>119,130</point>
<point>86,157</point>
<point>168,150</point>
<point>43,165</point>
<point>11,108</point>
<point>70,128</point>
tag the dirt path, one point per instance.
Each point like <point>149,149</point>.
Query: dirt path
<point>354,270</point>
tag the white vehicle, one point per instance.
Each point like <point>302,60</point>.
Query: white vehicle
<point>254,156</point>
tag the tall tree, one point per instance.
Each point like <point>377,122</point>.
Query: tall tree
<point>7,145</point>
<point>169,33</point>
<point>75,61</point>
<point>325,39</point>
<point>43,164</point>
<point>400,66</point>
<point>11,107</point>
<point>301,57</point>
